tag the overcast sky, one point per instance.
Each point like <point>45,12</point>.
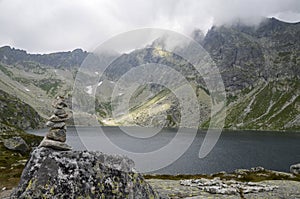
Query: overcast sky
<point>61,25</point>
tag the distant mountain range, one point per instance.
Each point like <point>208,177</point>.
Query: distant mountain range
<point>260,67</point>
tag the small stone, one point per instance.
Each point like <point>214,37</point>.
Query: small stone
<point>59,103</point>
<point>56,125</point>
<point>59,125</point>
<point>257,169</point>
<point>16,144</point>
<point>61,106</point>
<point>55,145</point>
<point>295,169</point>
<point>49,124</point>
<point>59,112</point>
<point>63,116</point>
<point>57,135</point>
<point>55,118</point>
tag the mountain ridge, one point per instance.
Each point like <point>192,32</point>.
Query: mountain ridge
<point>254,61</point>
<point>67,59</point>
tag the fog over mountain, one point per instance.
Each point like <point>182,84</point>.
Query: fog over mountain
<point>50,26</point>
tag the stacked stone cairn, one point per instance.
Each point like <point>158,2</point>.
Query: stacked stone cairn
<point>56,136</point>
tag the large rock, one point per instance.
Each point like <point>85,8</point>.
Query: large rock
<point>16,144</point>
<point>80,174</point>
<point>295,169</point>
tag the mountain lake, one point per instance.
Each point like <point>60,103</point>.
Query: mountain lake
<point>234,149</point>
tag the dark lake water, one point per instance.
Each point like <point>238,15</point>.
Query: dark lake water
<point>234,149</point>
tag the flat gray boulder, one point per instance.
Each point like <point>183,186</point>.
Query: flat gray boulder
<point>53,144</point>
<point>16,144</point>
<point>80,174</point>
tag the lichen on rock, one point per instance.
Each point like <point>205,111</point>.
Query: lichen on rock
<point>80,174</point>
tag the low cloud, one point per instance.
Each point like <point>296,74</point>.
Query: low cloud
<point>47,26</point>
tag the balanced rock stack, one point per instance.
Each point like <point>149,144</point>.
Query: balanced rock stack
<point>56,136</point>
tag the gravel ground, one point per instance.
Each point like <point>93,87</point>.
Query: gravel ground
<point>4,194</point>
<point>173,189</point>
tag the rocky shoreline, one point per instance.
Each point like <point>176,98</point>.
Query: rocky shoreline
<point>265,184</point>
<point>173,189</point>
<point>242,183</point>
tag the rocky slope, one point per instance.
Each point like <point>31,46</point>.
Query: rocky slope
<point>17,115</point>
<point>260,70</point>
<point>272,105</point>
<point>247,54</point>
<point>259,66</point>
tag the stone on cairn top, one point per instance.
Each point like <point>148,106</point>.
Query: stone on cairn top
<point>56,137</point>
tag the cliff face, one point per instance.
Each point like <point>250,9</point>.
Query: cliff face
<point>247,54</point>
<point>74,174</point>
<point>260,69</point>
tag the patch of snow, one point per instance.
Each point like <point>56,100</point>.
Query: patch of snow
<point>96,73</point>
<point>26,89</point>
<point>89,90</point>
<point>92,88</point>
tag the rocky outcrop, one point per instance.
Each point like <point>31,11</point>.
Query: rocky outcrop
<point>247,54</point>
<point>16,144</point>
<point>295,169</point>
<point>230,187</point>
<point>80,174</point>
<point>173,189</point>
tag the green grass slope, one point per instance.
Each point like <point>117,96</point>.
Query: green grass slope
<point>270,106</point>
